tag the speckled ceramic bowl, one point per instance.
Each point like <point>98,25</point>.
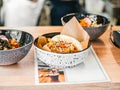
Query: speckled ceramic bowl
<point>12,56</point>
<point>94,32</point>
<point>58,60</point>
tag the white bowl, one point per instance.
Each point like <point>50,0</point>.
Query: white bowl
<point>59,60</point>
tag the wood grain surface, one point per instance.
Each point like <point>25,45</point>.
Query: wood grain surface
<point>21,76</point>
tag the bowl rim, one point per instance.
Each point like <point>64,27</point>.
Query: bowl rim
<point>88,14</point>
<point>20,46</point>
<point>60,53</point>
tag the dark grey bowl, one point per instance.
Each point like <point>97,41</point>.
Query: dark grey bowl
<point>12,56</point>
<point>94,32</point>
<point>115,38</point>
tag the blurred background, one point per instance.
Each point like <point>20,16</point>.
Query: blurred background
<point>14,13</point>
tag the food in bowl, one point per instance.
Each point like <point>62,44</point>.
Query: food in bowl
<point>58,60</point>
<point>6,44</point>
<point>14,55</point>
<point>63,44</point>
<point>64,49</point>
<point>90,21</point>
<point>94,31</point>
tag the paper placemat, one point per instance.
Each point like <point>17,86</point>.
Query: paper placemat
<point>89,71</point>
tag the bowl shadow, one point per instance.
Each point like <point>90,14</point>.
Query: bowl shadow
<point>116,51</point>
<point>99,47</point>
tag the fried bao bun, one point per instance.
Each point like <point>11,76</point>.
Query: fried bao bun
<point>64,38</point>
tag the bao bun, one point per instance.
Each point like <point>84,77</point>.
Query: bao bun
<point>66,39</point>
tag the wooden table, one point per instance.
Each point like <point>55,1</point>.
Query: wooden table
<point>21,76</point>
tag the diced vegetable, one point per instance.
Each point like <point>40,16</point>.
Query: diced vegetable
<point>89,21</point>
<point>6,44</point>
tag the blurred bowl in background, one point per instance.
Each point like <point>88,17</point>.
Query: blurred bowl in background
<point>59,60</point>
<point>94,32</point>
<point>115,38</point>
<point>12,56</point>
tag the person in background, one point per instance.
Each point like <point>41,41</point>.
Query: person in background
<point>16,13</point>
<point>1,2</point>
<point>63,7</point>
